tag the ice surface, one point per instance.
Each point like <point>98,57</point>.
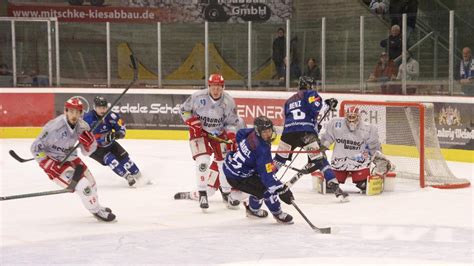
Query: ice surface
<point>410,225</point>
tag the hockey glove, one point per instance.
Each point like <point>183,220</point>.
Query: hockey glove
<point>53,168</point>
<point>86,139</point>
<point>331,102</point>
<point>113,135</point>
<point>231,146</point>
<point>285,194</point>
<point>195,127</point>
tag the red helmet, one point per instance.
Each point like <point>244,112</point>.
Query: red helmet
<point>216,79</point>
<point>74,103</point>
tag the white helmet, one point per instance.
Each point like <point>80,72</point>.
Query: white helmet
<point>352,117</point>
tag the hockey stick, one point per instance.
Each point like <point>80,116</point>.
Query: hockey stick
<point>135,78</point>
<point>18,158</point>
<point>301,148</point>
<point>70,188</point>
<point>219,139</point>
<point>322,230</point>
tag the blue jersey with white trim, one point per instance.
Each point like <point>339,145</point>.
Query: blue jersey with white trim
<point>253,156</point>
<point>301,111</point>
<point>111,122</point>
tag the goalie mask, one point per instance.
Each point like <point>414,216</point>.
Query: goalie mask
<point>352,117</point>
<point>262,124</point>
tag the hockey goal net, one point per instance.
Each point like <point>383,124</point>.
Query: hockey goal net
<point>409,138</point>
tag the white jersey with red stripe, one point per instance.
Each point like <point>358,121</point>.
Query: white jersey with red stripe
<point>352,149</point>
<point>57,138</point>
<point>215,115</point>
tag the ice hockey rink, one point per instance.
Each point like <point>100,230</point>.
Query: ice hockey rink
<point>410,225</point>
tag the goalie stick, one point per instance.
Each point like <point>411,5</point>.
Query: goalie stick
<point>135,78</point>
<point>70,188</point>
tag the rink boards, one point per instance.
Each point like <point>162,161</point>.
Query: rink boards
<point>154,114</point>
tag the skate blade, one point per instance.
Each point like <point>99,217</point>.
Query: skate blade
<point>343,199</point>
<point>285,223</point>
<point>231,207</point>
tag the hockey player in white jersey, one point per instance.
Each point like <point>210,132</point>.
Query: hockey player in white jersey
<point>356,146</point>
<point>55,141</point>
<point>211,117</point>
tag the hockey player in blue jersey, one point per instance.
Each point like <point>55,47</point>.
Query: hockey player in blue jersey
<point>301,130</point>
<point>109,151</point>
<point>250,170</point>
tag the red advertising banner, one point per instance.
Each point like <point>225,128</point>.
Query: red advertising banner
<point>26,109</point>
<point>249,109</point>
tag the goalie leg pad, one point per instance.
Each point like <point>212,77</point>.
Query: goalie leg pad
<point>374,185</point>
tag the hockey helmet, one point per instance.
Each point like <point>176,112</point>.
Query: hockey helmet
<point>74,103</point>
<point>100,101</point>
<point>216,79</point>
<point>352,117</point>
<point>306,83</point>
<point>262,123</point>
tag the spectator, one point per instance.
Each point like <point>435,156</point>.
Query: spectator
<point>312,69</point>
<point>295,71</point>
<point>379,7</point>
<point>467,72</point>
<point>393,44</point>
<point>413,68</point>
<point>4,70</point>
<point>399,7</point>
<point>6,79</point>
<point>413,71</point>
<point>384,71</point>
<point>278,54</point>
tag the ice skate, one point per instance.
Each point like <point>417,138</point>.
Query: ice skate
<point>105,215</point>
<point>283,218</point>
<point>130,179</point>
<point>255,213</point>
<point>232,204</point>
<point>203,202</point>
<point>182,195</point>
<point>340,194</point>
<point>225,196</point>
<point>362,185</point>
